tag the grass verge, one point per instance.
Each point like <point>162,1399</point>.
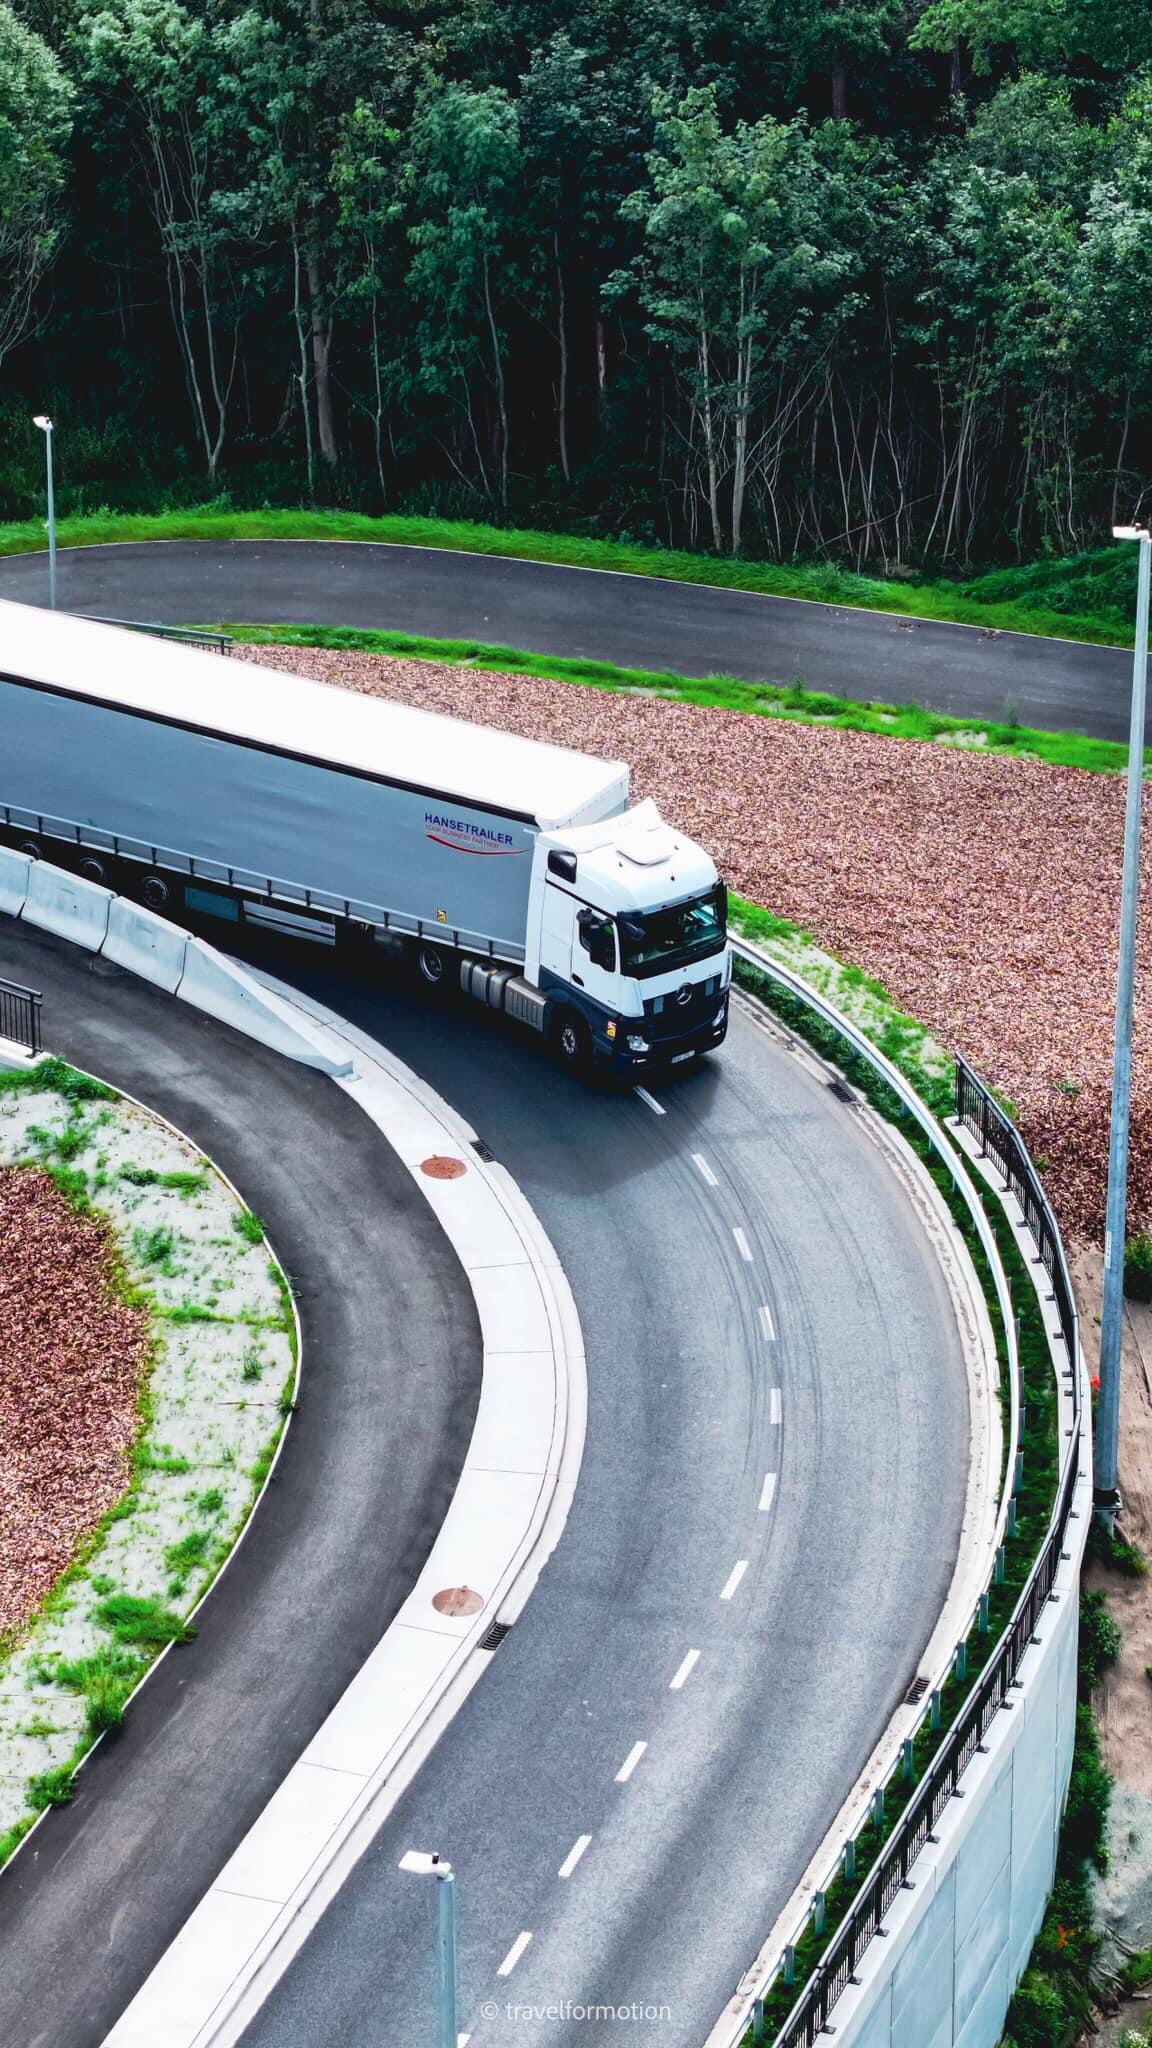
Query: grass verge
<point>1090,598</point>
<point>795,703</point>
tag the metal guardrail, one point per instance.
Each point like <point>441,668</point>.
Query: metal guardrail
<point>864,1918</point>
<point>193,636</point>
<point>20,1015</point>
<point>1001,1142</point>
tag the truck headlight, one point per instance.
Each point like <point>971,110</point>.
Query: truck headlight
<point>635,1043</point>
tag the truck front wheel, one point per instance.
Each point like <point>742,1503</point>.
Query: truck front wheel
<point>572,1041</point>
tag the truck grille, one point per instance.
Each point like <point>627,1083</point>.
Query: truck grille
<point>667,1016</point>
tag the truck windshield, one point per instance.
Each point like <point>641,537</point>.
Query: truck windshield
<point>653,941</point>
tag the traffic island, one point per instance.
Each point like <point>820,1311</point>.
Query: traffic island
<point>149,1365</point>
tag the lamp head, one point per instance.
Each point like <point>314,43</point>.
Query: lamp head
<point>1131,533</point>
<point>42,421</point>
<point>424,1865</point>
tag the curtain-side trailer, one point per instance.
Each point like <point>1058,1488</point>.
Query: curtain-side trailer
<point>212,787</point>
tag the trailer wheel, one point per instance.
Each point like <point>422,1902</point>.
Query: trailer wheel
<point>572,1041</point>
<point>154,891</point>
<point>94,871</point>
<point>32,847</point>
<point>433,964</point>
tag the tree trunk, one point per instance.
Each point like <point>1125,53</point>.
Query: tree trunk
<point>710,439</point>
<point>501,399</point>
<point>839,92</point>
<point>956,67</point>
<point>601,370</point>
<point>321,354</point>
<point>562,394</point>
<point>302,373</point>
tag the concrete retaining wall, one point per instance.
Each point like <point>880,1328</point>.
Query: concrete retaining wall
<point>956,1943</point>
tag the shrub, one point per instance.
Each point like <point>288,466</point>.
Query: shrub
<point>1100,1638</point>
<point>1138,1267</point>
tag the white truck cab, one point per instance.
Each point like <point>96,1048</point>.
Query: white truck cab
<point>627,938</point>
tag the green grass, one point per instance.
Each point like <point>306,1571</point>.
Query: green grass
<point>796,703</point>
<point>1088,598</point>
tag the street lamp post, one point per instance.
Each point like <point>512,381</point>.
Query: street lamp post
<point>436,1866</point>
<point>1106,1496</point>
<point>45,425</point>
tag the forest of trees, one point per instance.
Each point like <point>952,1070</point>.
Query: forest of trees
<point>863,278</point>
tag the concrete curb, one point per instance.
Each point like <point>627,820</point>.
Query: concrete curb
<point>507,1514</point>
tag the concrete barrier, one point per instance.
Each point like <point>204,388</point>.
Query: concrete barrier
<point>224,990</point>
<point>146,944</point>
<point>13,879</point>
<point>67,905</point>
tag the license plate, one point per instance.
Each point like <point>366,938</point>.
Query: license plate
<point>678,1056</point>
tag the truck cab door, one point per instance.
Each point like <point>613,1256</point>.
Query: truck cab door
<point>595,959</point>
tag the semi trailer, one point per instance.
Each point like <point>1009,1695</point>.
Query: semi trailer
<point>211,788</point>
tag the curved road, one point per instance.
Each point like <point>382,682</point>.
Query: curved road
<point>638,622</point>
<point>390,1383</point>
<point>780,1492</point>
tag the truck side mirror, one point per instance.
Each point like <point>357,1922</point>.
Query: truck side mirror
<point>598,938</point>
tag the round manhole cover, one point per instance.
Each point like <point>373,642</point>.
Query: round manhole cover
<point>457,1600</point>
<point>442,1166</point>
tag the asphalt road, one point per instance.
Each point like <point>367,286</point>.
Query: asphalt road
<point>638,622</point>
<point>809,1614</point>
<point>391,1352</point>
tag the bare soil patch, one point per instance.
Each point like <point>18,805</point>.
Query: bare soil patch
<point>983,891</point>
<point>72,1354</point>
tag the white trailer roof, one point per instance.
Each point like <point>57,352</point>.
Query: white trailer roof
<point>236,699</point>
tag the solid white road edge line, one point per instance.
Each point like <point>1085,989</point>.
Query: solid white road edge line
<point>506,1516</point>
<point>630,1762</point>
<point>734,1577</point>
<point>574,1855</point>
<point>685,1671</point>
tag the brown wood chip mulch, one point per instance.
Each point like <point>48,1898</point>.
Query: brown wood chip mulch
<point>71,1357</point>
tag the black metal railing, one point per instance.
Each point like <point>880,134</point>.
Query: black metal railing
<point>20,1015</point>
<point>864,1918</point>
<point>1001,1142</point>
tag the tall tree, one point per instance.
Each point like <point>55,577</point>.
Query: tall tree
<point>35,121</point>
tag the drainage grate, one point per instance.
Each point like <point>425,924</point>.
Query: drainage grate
<point>485,1151</point>
<point>915,1692</point>
<point>841,1091</point>
<point>494,1635</point>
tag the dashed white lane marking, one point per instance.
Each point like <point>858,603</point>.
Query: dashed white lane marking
<point>702,1166</point>
<point>574,1855</point>
<point>734,1578</point>
<point>774,1409</point>
<point>769,1492</point>
<point>514,1954</point>
<point>657,1108</point>
<point>462,2040</point>
<point>742,1244</point>
<point>630,1762</point>
<point>766,1323</point>
<point>685,1671</point>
